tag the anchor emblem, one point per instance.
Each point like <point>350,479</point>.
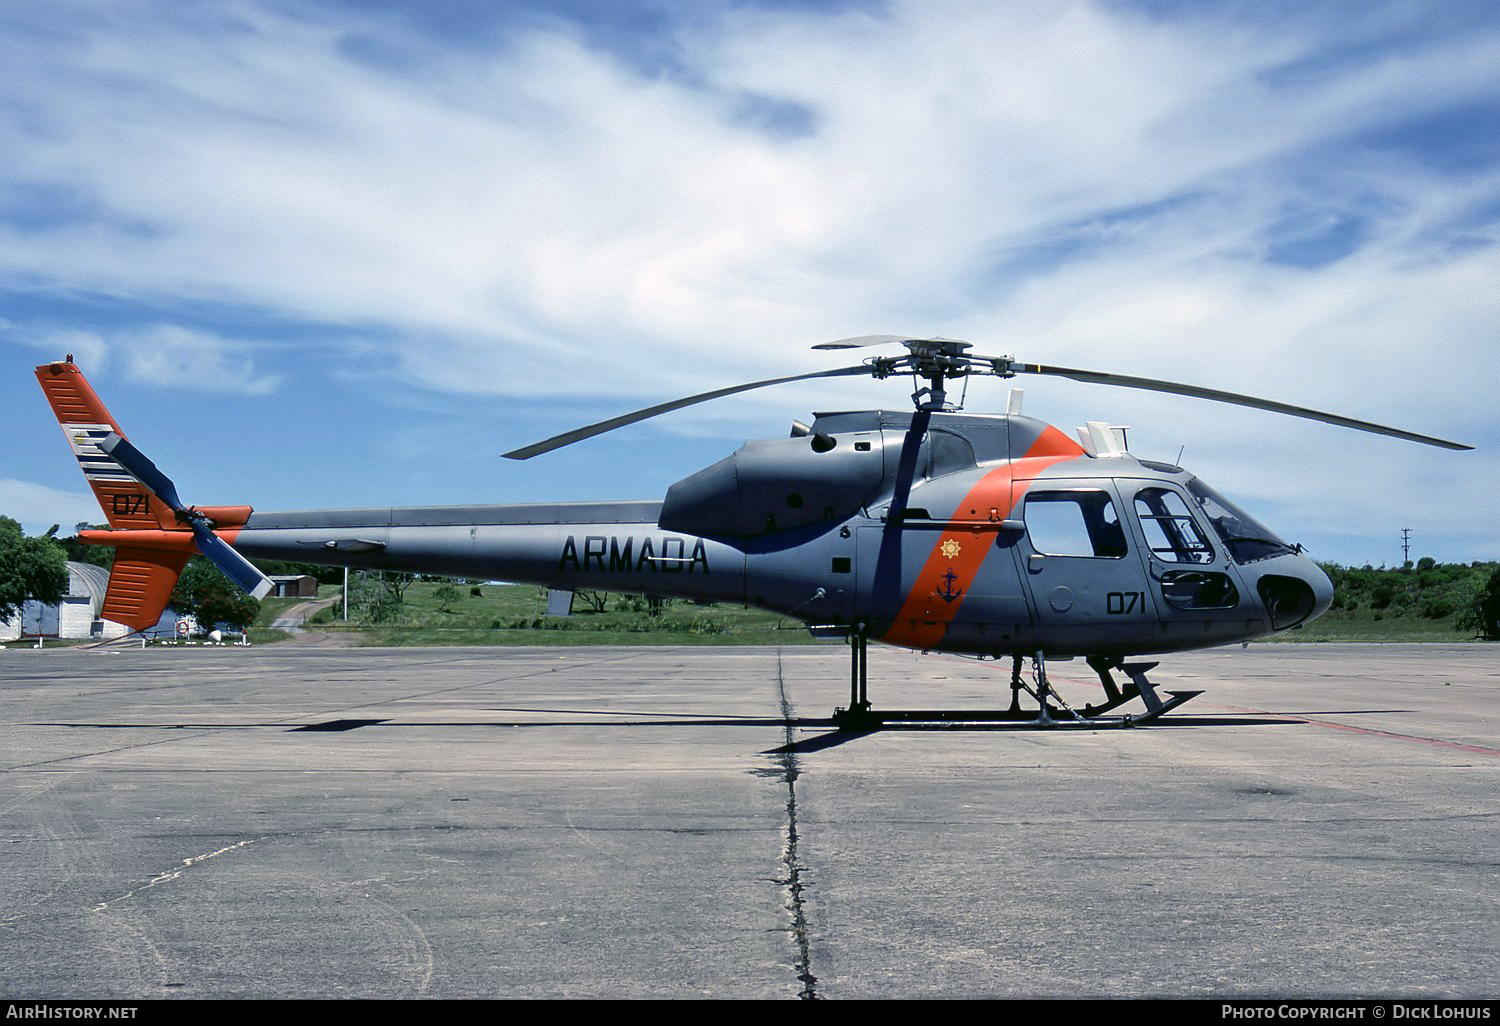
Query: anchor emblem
<point>948,592</point>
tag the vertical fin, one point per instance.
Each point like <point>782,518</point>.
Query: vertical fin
<point>127,504</point>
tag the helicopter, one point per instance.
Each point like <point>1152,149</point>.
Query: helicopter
<point>988,535</point>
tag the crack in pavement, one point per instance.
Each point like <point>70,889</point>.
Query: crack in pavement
<point>787,761</point>
<point>173,874</point>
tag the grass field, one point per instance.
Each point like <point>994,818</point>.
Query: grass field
<point>513,614</point>
<point>1362,627</point>
<point>516,614</point>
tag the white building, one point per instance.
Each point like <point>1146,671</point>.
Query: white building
<point>76,616</point>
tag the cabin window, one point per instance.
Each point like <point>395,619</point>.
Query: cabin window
<point>1074,523</point>
<point>1172,534</point>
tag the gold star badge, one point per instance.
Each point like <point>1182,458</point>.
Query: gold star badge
<point>950,548</point>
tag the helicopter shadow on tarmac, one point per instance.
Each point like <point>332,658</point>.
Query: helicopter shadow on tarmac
<point>836,734</point>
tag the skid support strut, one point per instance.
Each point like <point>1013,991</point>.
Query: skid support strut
<point>859,697</point>
<point>858,716</point>
<point>1139,687</point>
<point>1051,711</point>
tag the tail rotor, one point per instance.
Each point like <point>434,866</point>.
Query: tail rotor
<point>234,566</point>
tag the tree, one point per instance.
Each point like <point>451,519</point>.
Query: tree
<point>211,597</point>
<point>395,583</point>
<point>597,601</point>
<point>446,594</point>
<point>373,599</point>
<point>30,568</point>
<point>1482,616</point>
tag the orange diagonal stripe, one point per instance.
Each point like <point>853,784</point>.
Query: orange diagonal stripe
<point>926,614</point>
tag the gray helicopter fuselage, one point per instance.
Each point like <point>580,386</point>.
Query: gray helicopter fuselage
<point>946,531</point>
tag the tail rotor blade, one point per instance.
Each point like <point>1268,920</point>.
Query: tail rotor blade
<point>234,566</point>
<point>140,465</point>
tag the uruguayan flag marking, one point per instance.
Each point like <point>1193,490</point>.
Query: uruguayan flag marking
<point>97,465</point>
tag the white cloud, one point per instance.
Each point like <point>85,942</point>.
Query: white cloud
<point>38,507</point>
<point>194,361</point>
<point>559,197</point>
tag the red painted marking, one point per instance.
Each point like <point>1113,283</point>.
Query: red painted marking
<point>1408,737</point>
<point>1331,725</point>
<point>961,549</point>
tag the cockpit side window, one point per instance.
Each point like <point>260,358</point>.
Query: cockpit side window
<point>1247,538</point>
<point>1074,523</point>
<point>1172,534</point>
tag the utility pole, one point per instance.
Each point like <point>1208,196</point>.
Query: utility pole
<point>1405,546</point>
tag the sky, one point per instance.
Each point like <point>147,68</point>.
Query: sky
<point>341,254</point>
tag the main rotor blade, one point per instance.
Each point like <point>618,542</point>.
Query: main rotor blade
<point>140,465</point>
<point>1235,399</point>
<point>861,341</point>
<point>865,341</point>
<point>579,434</point>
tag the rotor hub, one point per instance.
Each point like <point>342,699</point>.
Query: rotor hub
<point>938,361</point>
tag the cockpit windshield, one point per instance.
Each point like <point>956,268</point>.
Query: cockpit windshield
<point>1246,538</point>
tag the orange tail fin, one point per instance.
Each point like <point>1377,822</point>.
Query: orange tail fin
<point>127,504</point>
<point>152,542</point>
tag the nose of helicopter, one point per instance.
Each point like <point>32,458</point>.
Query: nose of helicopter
<point>1321,586</point>
<point>1294,590</point>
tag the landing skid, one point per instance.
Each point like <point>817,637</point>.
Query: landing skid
<point>1051,712</point>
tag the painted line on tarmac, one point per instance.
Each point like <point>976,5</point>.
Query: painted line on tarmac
<point>1332,725</point>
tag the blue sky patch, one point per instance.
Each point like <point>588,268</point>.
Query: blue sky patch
<point>1460,140</point>
<point>777,118</point>
<point>1314,239</point>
